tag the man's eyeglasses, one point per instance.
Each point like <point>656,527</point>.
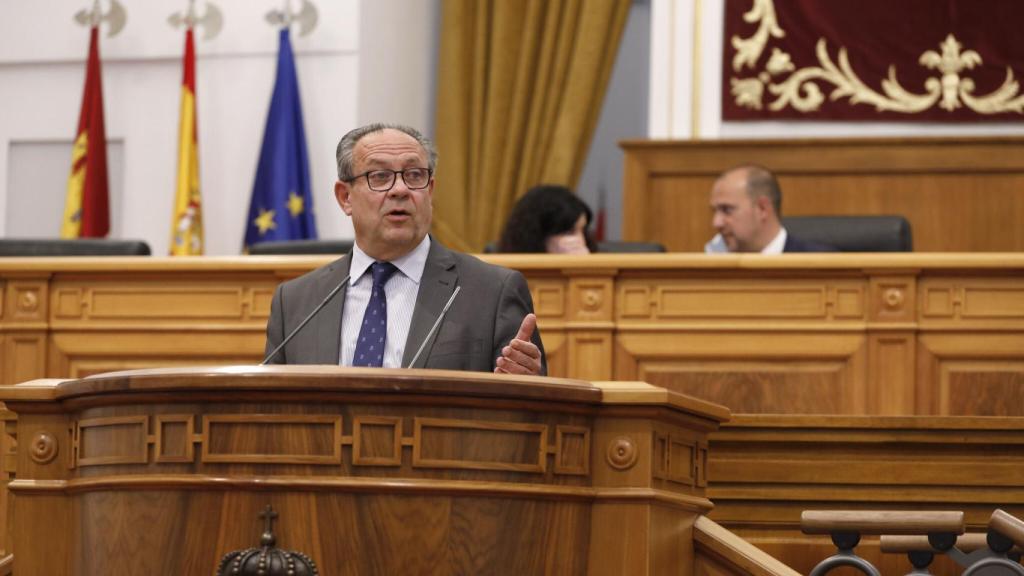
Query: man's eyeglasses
<point>384,180</point>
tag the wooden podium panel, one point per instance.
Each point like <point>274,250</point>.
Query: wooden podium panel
<point>371,472</point>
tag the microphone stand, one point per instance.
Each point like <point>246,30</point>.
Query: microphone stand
<point>434,327</point>
<point>306,321</point>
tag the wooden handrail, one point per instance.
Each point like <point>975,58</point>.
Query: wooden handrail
<point>965,543</point>
<point>731,550</point>
<point>881,522</point>
<point>1008,525</point>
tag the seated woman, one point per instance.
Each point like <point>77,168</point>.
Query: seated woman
<point>550,219</point>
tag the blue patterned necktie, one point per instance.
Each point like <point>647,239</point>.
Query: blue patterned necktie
<point>370,344</point>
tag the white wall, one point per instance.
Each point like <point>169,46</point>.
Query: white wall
<point>674,75</point>
<point>368,60</point>
<point>397,79</point>
<point>41,82</point>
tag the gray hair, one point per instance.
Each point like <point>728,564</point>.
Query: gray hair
<point>348,142</point>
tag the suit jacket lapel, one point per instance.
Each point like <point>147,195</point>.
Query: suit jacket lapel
<point>440,277</point>
<point>328,321</point>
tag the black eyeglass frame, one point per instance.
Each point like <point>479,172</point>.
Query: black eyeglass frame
<point>394,178</point>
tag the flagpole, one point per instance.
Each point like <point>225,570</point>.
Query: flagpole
<point>187,211</point>
<point>87,203</point>
<point>281,206</point>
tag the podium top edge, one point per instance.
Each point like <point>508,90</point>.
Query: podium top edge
<point>307,379</point>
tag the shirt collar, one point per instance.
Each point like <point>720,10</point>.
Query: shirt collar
<point>411,264</point>
<point>778,244</point>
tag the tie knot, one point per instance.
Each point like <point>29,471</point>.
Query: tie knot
<point>382,271</point>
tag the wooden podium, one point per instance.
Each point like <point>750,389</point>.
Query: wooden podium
<point>371,472</point>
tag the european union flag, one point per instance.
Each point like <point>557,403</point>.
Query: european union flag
<point>282,203</point>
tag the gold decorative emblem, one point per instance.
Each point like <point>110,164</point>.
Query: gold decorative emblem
<point>43,448</point>
<point>28,301</point>
<point>801,91</point>
<point>591,300</point>
<point>893,298</point>
<point>622,453</point>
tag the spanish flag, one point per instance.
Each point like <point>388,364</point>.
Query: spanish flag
<point>187,223</point>
<point>86,212</point>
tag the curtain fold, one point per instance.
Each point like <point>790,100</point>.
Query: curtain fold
<point>520,88</point>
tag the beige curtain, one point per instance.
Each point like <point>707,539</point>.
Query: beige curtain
<point>520,87</point>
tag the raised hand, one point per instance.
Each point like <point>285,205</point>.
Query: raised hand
<point>567,243</point>
<point>521,356</point>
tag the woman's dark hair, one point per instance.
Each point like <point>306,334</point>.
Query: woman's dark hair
<point>542,212</point>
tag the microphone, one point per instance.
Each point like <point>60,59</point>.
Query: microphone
<point>289,337</point>
<point>434,327</point>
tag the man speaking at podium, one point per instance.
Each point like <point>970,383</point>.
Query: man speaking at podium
<point>400,298</point>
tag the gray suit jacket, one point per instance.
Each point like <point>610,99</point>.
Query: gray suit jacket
<point>484,317</point>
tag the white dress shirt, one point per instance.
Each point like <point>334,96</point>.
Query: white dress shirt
<point>401,291</point>
<point>717,244</point>
<point>778,244</point>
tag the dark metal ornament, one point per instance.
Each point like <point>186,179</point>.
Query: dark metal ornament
<point>267,560</point>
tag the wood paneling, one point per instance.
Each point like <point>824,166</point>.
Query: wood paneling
<point>765,470</point>
<point>959,194</point>
<point>466,473</point>
<point>799,334</point>
<point>753,371</point>
<point>978,374</point>
<point>8,467</point>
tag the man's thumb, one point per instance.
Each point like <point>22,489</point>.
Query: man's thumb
<point>527,327</point>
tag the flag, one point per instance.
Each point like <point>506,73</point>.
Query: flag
<point>282,203</point>
<point>187,220</point>
<point>86,209</point>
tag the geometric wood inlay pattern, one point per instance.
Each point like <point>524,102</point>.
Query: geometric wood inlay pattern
<point>450,443</point>
<point>112,440</point>
<point>679,460</point>
<point>682,460</point>
<point>572,450</point>
<point>294,438</point>
<point>318,440</point>
<point>175,438</point>
<point>371,435</point>
<point>659,459</point>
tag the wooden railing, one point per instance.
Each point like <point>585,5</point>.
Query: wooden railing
<point>921,536</point>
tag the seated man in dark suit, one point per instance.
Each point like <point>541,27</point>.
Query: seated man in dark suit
<point>400,280</point>
<point>747,204</point>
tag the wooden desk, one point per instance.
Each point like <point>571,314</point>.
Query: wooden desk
<point>841,334</point>
<point>371,471</point>
<point>895,334</point>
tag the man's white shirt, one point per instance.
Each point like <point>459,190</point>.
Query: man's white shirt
<point>717,244</point>
<point>401,291</point>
